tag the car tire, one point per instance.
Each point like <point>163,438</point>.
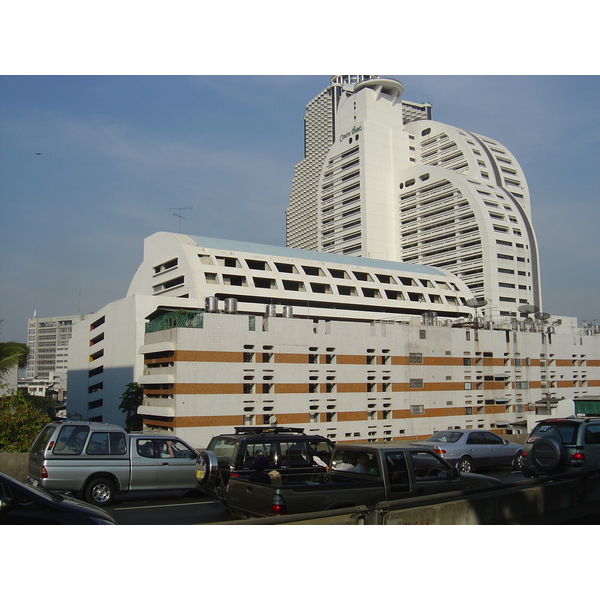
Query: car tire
<point>464,464</point>
<point>517,463</point>
<point>100,492</point>
<point>547,455</point>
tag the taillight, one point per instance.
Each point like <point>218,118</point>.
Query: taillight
<point>577,459</point>
<point>439,450</point>
<point>278,505</point>
<point>43,473</point>
<point>524,455</point>
<point>51,445</point>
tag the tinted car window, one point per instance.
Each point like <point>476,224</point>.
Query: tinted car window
<point>427,466</point>
<point>294,453</point>
<point>491,438</point>
<point>43,439</point>
<point>321,449</point>
<point>223,448</point>
<point>254,449</point>
<point>475,438</point>
<point>104,442</point>
<point>446,437</point>
<point>592,434</point>
<point>71,439</point>
<point>562,430</point>
<point>146,448</point>
<point>395,463</point>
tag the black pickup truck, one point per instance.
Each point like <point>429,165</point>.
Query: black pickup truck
<point>357,475</point>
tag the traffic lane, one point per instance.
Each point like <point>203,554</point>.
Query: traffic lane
<point>167,508</point>
<point>185,508</point>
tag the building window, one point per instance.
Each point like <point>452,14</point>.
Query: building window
<point>415,358</point>
<point>416,384</point>
<point>417,409</point>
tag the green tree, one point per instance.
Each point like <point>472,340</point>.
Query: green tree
<point>22,417</point>
<point>131,398</point>
<point>11,354</point>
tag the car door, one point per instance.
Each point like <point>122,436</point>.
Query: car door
<point>144,464</point>
<point>478,450</point>
<point>500,453</point>
<point>176,464</point>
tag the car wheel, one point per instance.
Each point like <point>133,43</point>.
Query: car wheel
<point>100,492</point>
<point>464,464</point>
<point>517,462</point>
<point>547,454</point>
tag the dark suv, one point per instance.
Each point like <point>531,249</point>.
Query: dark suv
<point>287,449</point>
<point>557,445</point>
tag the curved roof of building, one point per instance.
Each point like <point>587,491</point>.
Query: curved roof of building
<point>353,261</point>
<point>315,283</point>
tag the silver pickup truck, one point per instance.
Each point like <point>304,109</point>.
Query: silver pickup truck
<point>357,475</point>
<point>96,461</point>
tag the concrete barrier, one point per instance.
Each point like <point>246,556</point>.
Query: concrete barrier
<point>545,501</point>
<point>14,464</point>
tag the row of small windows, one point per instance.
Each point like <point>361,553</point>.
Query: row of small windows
<point>325,288</point>
<point>332,272</point>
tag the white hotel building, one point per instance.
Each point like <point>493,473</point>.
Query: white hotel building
<point>381,180</point>
<point>361,328</point>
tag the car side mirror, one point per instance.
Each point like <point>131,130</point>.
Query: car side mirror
<point>455,473</point>
<point>506,442</point>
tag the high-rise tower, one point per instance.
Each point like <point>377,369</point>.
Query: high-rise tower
<point>380,179</point>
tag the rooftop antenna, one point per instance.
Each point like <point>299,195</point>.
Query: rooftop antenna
<point>178,213</point>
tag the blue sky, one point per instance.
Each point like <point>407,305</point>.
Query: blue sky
<point>119,153</point>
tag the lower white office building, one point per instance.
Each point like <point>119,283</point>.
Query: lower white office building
<point>224,333</point>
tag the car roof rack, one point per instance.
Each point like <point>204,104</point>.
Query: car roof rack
<point>268,430</point>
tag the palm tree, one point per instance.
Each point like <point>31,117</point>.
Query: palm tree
<point>12,354</point>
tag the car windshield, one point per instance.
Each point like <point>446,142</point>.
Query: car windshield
<point>566,431</point>
<point>445,437</point>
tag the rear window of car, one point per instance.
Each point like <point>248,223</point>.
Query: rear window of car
<point>445,437</point>
<point>223,448</point>
<point>565,431</point>
<point>43,438</point>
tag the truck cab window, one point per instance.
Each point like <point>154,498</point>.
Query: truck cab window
<point>428,467</point>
